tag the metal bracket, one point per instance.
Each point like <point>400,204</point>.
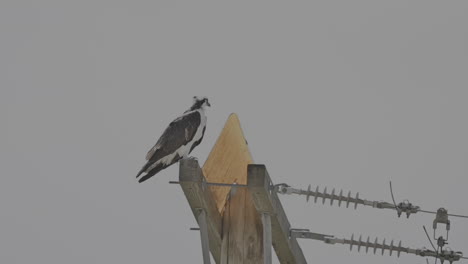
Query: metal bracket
<point>407,208</point>
<point>441,218</point>
<point>304,233</point>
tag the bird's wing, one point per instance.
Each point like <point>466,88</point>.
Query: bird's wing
<point>178,133</point>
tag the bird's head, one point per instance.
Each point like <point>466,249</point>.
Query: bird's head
<point>200,103</point>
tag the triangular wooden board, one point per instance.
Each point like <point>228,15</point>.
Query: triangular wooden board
<point>242,227</point>
<point>228,160</point>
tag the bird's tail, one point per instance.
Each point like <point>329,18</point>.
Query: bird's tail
<point>140,172</point>
<point>144,168</point>
<point>149,174</point>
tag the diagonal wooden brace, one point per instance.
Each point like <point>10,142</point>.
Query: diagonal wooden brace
<point>200,199</point>
<point>267,202</point>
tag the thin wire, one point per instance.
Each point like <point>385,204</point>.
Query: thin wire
<point>427,212</point>
<point>423,211</point>
<point>464,216</point>
<point>393,198</point>
<point>454,215</point>
<point>428,237</point>
<point>396,207</point>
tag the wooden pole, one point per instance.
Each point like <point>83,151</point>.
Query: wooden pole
<point>259,183</point>
<point>266,221</point>
<point>204,236</point>
<point>243,234</point>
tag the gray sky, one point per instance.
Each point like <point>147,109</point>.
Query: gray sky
<point>344,94</point>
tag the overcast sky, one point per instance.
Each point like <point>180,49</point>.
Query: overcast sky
<point>344,94</point>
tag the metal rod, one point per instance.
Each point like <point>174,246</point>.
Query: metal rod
<point>284,189</point>
<point>443,255</point>
<point>267,239</point>
<point>405,207</point>
<point>215,184</point>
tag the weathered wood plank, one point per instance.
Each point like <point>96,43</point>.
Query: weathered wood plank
<point>267,239</point>
<point>204,236</point>
<point>253,232</point>
<point>242,230</point>
<point>225,237</point>
<point>200,197</point>
<point>259,183</point>
<point>235,231</point>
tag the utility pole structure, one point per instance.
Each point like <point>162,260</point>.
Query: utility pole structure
<point>241,218</point>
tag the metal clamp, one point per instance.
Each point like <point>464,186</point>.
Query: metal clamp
<point>441,218</point>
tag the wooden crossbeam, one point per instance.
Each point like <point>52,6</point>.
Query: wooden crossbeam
<point>267,202</point>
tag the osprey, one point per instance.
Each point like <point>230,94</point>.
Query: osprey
<point>178,140</point>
